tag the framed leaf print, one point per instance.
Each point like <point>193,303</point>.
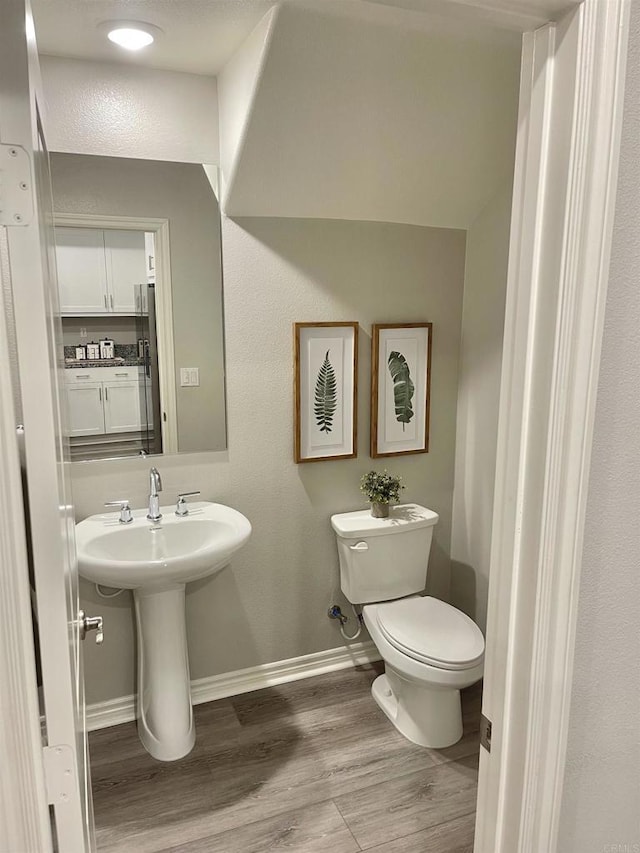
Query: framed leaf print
<point>400,388</point>
<point>325,391</point>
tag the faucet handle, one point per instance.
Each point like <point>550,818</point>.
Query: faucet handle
<point>125,510</point>
<point>181,506</point>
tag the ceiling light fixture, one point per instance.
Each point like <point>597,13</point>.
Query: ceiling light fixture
<point>131,35</point>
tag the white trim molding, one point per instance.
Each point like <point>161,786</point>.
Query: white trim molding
<point>164,305</point>
<point>585,276</point>
<point>564,194</point>
<point>123,709</point>
<point>24,823</point>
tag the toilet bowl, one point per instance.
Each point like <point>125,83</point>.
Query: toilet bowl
<point>425,672</point>
<point>431,650</point>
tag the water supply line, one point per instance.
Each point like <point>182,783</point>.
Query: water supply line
<point>335,612</point>
<point>107,594</point>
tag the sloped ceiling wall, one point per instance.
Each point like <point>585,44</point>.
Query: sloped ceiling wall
<point>334,116</point>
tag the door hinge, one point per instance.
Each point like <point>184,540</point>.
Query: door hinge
<point>485,732</point>
<point>58,773</point>
<point>16,187</point>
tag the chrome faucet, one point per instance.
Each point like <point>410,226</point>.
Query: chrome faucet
<point>155,486</point>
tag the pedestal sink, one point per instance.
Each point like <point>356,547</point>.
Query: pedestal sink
<point>156,559</point>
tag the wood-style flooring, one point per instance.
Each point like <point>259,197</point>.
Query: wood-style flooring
<point>309,766</point>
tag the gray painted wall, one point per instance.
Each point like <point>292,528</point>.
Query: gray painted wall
<point>271,603</point>
<point>181,193</point>
<point>601,800</point>
<point>485,287</point>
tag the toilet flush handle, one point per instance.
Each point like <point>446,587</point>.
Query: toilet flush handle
<point>359,546</point>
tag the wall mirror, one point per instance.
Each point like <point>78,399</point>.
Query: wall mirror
<point>140,290</point>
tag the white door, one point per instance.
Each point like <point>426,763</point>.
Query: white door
<point>126,268</point>
<point>50,512</point>
<point>122,407</point>
<point>82,271</point>
<point>85,408</point>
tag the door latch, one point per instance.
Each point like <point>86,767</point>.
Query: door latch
<point>91,623</point>
<point>485,732</point>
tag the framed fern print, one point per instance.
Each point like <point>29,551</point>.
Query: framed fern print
<point>325,391</point>
<point>400,388</point>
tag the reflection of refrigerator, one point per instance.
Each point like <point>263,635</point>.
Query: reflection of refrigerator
<point>150,408</point>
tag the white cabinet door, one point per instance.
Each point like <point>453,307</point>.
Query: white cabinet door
<point>82,272</point>
<point>122,411</point>
<point>86,414</point>
<point>150,252</point>
<point>126,269</point>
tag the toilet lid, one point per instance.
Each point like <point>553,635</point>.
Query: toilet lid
<point>431,631</point>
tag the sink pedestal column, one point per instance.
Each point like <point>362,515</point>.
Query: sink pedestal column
<point>165,716</point>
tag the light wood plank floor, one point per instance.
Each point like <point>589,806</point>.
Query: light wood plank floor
<point>309,766</point>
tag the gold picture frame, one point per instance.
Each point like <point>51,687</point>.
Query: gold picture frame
<point>400,388</point>
<point>325,391</point>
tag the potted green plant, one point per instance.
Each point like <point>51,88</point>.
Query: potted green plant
<point>381,490</point>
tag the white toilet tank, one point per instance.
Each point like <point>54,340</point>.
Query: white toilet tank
<point>384,558</point>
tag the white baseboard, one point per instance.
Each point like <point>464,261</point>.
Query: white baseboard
<point>101,715</point>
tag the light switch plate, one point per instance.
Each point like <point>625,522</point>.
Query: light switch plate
<point>189,377</point>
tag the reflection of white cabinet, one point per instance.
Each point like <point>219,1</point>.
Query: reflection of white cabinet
<point>122,408</point>
<point>126,269</point>
<point>106,400</point>
<point>82,271</point>
<point>150,249</point>
<point>86,414</point>
<point>99,270</point>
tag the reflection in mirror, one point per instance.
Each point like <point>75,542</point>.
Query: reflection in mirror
<point>140,291</point>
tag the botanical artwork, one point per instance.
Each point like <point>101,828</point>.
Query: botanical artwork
<point>403,387</point>
<point>325,398</point>
<point>400,374</point>
<point>325,390</point>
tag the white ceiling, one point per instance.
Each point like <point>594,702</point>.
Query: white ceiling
<point>201,35</point>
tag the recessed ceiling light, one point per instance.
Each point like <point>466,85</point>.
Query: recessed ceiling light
<point>131,35</point>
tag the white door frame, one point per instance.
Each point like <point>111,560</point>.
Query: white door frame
<point>562,222</point>
<point>164,306</point>
<point>546,413</point>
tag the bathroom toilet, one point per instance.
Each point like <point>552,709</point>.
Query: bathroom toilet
<point>431,650</point>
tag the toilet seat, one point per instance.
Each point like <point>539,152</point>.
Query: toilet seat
<point>432,632</point>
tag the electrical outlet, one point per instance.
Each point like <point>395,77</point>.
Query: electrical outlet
<point>83,332</point>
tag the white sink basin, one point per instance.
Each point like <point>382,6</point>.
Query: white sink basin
<point>177,549</point>
<point>156,560</point>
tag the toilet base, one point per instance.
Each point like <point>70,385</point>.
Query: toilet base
<point>426,716</point>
